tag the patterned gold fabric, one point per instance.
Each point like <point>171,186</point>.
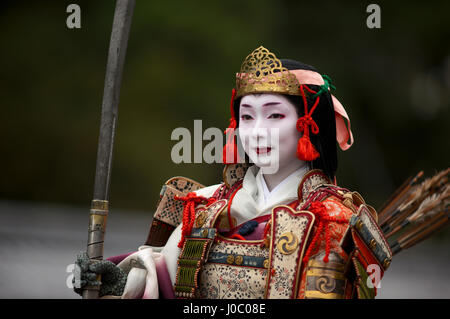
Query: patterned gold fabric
<point>225,277</point>
<point>169,212</point>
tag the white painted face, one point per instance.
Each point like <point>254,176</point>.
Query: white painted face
<point>267,130</point>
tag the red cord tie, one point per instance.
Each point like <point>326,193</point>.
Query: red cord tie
<point>304,122</point>
<point>190,201</point>
<point>305,149</point>
<point>323,218</point>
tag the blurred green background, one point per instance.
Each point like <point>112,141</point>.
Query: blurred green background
<point>180,65</point>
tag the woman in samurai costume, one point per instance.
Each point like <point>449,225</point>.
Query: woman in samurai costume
<point>277,226</point>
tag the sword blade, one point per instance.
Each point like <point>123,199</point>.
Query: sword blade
<point>114,67</point>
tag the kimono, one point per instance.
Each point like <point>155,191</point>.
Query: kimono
<point>307,238</point>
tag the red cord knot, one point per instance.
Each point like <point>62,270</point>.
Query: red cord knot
<point>323,219</point>
<point>190,201</point>
<point>307,121</point>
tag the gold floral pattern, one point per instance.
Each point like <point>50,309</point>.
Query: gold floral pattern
<point>222,281</point>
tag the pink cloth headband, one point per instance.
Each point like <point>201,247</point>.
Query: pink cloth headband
<point>343,131</point>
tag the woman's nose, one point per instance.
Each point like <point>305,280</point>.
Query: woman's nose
<point>259,132</point>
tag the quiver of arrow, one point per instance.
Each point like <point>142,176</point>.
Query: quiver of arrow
<point>417,209</point>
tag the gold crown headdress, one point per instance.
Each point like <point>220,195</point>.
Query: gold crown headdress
<point>263,72</point>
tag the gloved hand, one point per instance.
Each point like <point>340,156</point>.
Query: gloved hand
<point>113,278</point>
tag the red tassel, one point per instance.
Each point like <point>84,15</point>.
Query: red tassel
<point>230,151</point>
<point>190,201</point>
<point>306,150</point>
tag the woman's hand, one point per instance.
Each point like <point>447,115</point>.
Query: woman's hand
<point>113,278</point>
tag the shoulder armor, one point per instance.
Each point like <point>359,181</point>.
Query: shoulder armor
<point>352,200</point>
<point>363,242</point>
<point>365,231</point>
<point>368,251</point>
<point>355,201</point>
<point>169,212</point>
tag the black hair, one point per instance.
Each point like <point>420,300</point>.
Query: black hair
<point>323,115</point>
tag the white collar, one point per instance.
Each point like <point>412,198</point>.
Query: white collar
<point>297,175</point>
<point>249,202</point>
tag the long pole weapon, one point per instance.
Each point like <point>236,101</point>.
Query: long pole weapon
<point>114,67</point>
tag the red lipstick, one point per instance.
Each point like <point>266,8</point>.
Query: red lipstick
<point>263,150</point>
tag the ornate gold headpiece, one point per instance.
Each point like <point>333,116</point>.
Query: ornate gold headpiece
<point>263,72</point>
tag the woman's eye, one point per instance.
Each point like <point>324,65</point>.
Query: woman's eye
<point>276,116</point>
<point>246,117</point>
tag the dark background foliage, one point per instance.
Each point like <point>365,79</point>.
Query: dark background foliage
<point>180,63</point>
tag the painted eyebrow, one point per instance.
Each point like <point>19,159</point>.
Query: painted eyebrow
<point>266,104</point>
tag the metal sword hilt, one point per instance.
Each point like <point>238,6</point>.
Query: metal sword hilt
<point>96,238</point>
